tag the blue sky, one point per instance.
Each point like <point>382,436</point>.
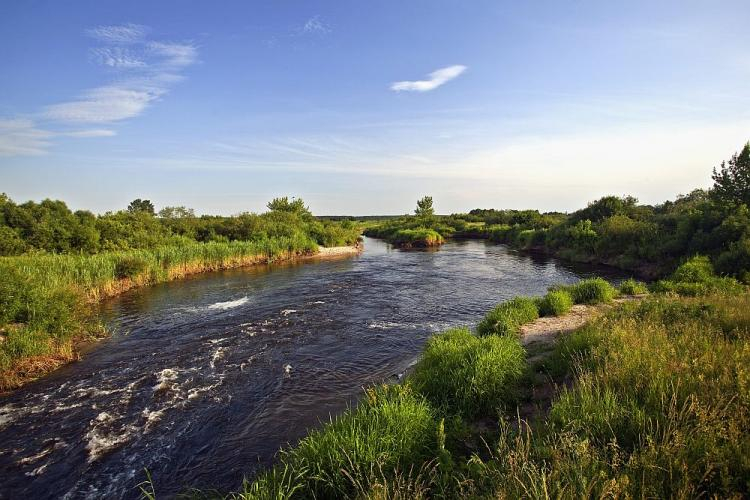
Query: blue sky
<point>363,107</point>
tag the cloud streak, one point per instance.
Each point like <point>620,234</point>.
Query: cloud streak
<point>123,34</point>
<point>21,137</point>
<point>436,79</point>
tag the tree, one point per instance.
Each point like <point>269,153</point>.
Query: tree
<point>295,206</point>
<point>176,212</point>
<point>732,180</point>
<point>141,206</point>
<point>424,208</point>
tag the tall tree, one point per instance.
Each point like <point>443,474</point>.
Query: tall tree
<point>732,180</point>
<point>141,206</point>
<point>424,208</point>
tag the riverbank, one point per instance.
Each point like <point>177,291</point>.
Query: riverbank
<point>635,396</point>
<point>54,294</point>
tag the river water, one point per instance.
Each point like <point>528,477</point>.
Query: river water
<point>205,378</point>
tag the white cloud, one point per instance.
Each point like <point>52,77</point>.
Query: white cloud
<point>315,26</point>
<point>21,137</point>
<point>146,71</point>
<point>117,57</point>
<point>94,132</point>
<point>437,78</point>
<point>175,54</point>
<point>119,34</point>
<point>103,104</point>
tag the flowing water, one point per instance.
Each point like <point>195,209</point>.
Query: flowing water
<point>205,378</point>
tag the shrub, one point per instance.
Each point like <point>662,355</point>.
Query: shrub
<point>697,269</point>
<point>419,237</point>
<point>392,429</point>
<point>633,287</point>
<point>129,266</point>
<point>467,375</point>
<point>555,303</point>
<point>592,291</point>
<point>508,317</point>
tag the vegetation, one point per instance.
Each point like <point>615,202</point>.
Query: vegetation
<point>508,317</point>
<point>658,407</point>
<point>46,292</point>
<point>556,303</point>
<point>649,240</point>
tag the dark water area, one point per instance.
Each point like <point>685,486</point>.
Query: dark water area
<point>205,378</point>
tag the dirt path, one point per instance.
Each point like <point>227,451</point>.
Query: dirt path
<point>539,339</point>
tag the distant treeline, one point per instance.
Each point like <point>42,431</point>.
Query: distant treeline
<point>50,226</point>
<point>614,230</point>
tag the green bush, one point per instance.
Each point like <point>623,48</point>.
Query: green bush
<point>592,291</point>
<point>467,375</point>
<point>555,303</point>
<point>130,266</point>
<point>419,237</point>
<point>697,269</point>
<point>633,287</point>
<point>508,317</point>
<point>392,429</point>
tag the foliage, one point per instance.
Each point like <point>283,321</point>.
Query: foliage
<point>392,429</point>
<point>632,287</point>
<point>556,303</point>
<point>591,291</point>
<point>732,180</point>
<point>460,373</point>
<point>424,208</point>
<point>141,206</point>
<point>508,317</point>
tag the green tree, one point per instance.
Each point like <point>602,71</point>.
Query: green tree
<point>732,180</point>
<point>424,208</point>
<point>142,206</point>
<point>284,204</point>
<point>176,212</point>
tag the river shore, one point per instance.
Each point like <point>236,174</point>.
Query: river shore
<point>34,367</point>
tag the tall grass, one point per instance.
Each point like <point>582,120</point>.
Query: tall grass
<point>392,430</point>
<point>508,317</point>
<point>460,373</point>
<point>44,298</point>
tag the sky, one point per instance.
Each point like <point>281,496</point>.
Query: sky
<point>363,107</point>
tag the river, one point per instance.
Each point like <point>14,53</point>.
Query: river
<point>203,379</point>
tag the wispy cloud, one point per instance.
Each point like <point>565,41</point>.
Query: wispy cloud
<point>21,137</point>
<point>123,34</point>
<point>436,79</point>
<point>94,132</point>
<point>315,26</point>
<point>145,71</point>
<point>117,57</point>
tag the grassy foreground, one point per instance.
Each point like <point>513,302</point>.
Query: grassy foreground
<point>652,400</point>
<point>45,300</point>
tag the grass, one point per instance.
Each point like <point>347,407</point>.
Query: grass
<point>416,238</point>
<point>460,373</point>
<point>393,429</point>
<point>656,405</point>
<point>633,287</point>
<point>45,299</point>
<point>508,317</point>
<point>590,291</point>
<point>556,303</point>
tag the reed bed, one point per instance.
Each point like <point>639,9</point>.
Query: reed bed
<point>45,299</point>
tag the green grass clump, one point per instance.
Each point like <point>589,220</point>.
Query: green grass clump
<point>555,303</point>
<point>417,238</point>
<point>592,291</point>
<point>696,278</point>
<point>463,374</point>
<point>508,317</point>
<point>659,408</point>
<point>393,429</point>
<point>130,266</point>
<point>633,287</point>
